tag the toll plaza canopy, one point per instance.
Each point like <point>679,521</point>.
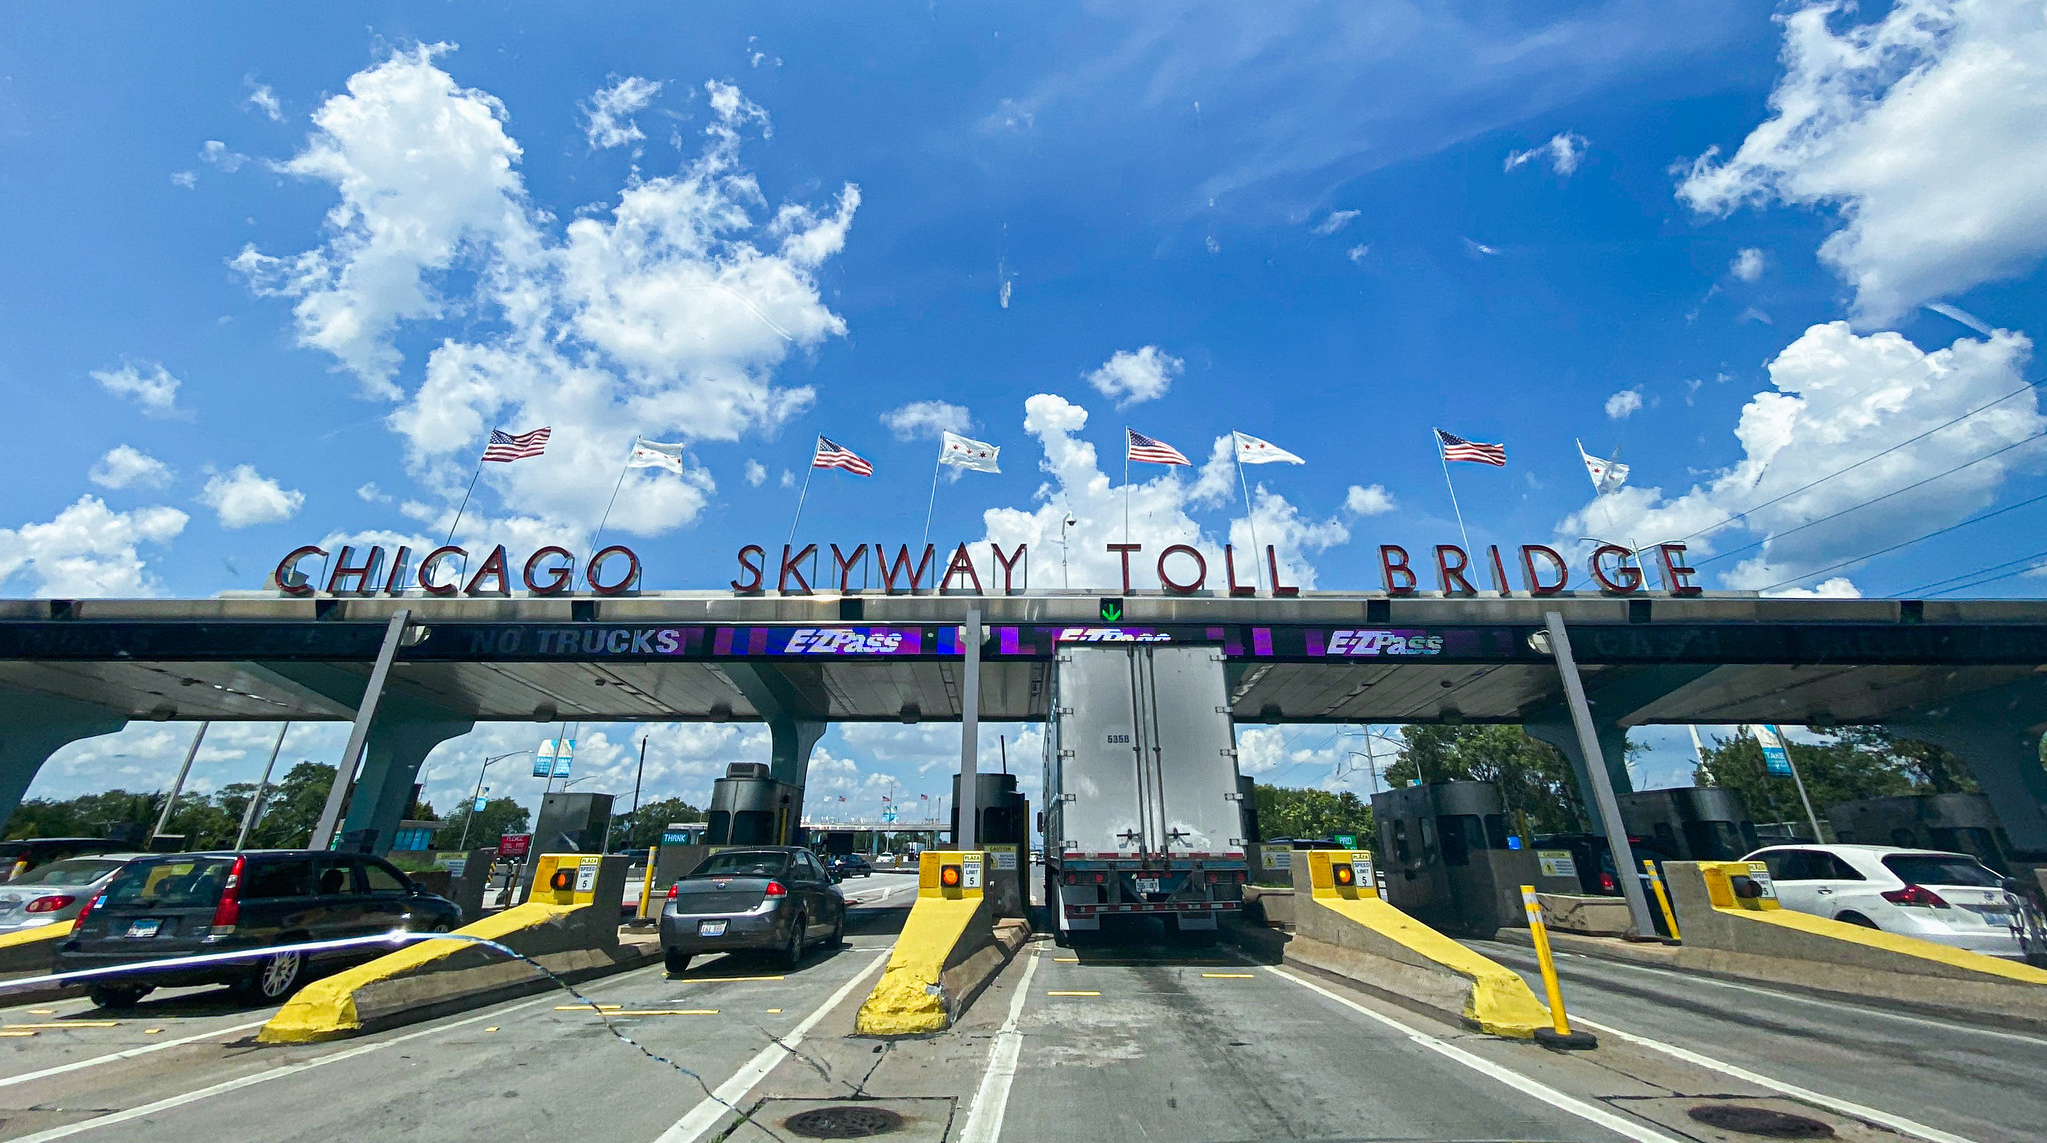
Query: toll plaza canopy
<point>1964,673</point>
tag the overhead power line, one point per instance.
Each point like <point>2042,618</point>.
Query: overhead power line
<point>1906,543</point>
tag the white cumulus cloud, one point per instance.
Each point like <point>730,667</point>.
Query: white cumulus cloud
<point>756,473</point>
<point>1128,378</point>
<point>927,419</point>
<point>265,100</point>
<point>243,498</point>
<point>1368,501</point>
<point>146,383</point>
<point>89,550</point>
<point>126,466</point>
<point>1747,264</point>
<point>1624,404</point>
<point>608,117</point>
<point>1922,127</point>
<point>666,315</point>
<point>1564,151</point>
<point>1334,221</point>
<point>1838,402</point>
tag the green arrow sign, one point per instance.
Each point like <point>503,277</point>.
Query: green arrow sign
<point>1112,610</point>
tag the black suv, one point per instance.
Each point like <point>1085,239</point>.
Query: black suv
<point>190,904</point>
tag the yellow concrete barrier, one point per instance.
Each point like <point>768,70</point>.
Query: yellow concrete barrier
<point>1340,884</point>
<point>565,914</point>
<point>30,950</point>
<point>1760,924</point>
<point>948,922</point>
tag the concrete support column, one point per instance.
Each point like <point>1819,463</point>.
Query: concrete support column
<point>34,726</point>
<point>1554,726</point>
<point>397,745</point>
<point>1997,732</point>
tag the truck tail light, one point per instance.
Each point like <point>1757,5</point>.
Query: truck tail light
<point>1916,895</point>
<point>229,911</point>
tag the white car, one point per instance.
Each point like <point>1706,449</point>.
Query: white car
<point>1948,898</point>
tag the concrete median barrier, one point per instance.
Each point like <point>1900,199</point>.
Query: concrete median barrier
<point>1342,926</point>
<point>950,947</point>
<point>570,926</point>
<point>30,952</point>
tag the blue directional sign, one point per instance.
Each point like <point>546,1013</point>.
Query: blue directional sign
<point>1776,760</point>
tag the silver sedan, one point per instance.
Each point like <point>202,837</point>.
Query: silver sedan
<point>57,891</point>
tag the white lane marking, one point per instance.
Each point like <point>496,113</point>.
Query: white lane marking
<point>1627,1128</point>
<point>1895,1122</point>
<point>1838,1006</point>
<point>162,1105</point>
<point>991,1100</point>
<point>131,1053</point>
<point>706,1114</point>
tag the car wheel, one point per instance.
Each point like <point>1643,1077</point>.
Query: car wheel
<point>275,979</point>
<point>117,997</point>
<point>839,931</point>
<point>1857,919</point>
<point>793,954</point>
<point>678,961</point>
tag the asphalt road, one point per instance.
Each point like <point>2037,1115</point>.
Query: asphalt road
<point>1977,1082</point>
<point>1135,1042</point>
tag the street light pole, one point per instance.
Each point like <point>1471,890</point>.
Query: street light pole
<point>481,771</point>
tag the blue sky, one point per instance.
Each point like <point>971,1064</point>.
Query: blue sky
<point>276,276</point>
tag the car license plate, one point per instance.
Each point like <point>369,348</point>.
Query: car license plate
<point>1147,885</point>
<point>144,928</point>
<point>710,928</point>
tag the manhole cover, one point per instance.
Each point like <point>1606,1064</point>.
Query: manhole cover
<point>844,1122</point>
<point>1760,1121</point>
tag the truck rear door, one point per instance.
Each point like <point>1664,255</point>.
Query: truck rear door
<point>1097,699</point>
<point>1190,769</point>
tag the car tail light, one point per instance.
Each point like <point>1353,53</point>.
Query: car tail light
<point>78,922</point>
<point>1101,878</point>
<point>48,904</point>
<point>1606,882</point>
<point>777,889</point>
<point>1915,895</point>
<point>229,911</point>
<point>674,890</point>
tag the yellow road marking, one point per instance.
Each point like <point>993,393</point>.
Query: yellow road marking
<point>492,1028</point>
<point>1228,976</point>
<point>70,1024</point>
<point>16,1034</point>
<point>151,1031</point>
<point>42,1011</point>
<point>665,1012</point>
<point>774,1011</point>
<point>1065,960</point>
<point>587,1007</point>
<point>1070,992</point>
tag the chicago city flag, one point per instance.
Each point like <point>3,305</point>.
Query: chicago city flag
<point>654,454</point>
<point>966,453</point>
<point>1607,475</point>
<point>1251,450</point>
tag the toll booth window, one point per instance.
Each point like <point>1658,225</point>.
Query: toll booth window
<point>753,827</point>
<point>1666,838</point>
<point>1428,842</point>
<point>718,828</point>
<point>1400,839</point>
<point>1713,841</point>
<point>1496,831</point>
<point>1749,841</point>
<point>1461,833</point>
<point>1975,841</point>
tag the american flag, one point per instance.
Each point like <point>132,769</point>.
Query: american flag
<point>1457,448</point>
<point>505,446</point>
<point>1143,448</point>
<point>830,455</point>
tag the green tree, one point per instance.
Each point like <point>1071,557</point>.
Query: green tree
<point>1858,762</point>
<point>292,809</point>
<point>629,834</point>
<point>1285,811</point>
<point>1534,777</point>
<point>500,816</point>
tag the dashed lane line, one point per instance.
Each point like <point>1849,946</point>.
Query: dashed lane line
<point>1896,1123</point>
<point>129,1054</point>
<point>1627,1128</point>
<point>706,1114</point>
<point>991,1099</point>
<point>222,1088</point>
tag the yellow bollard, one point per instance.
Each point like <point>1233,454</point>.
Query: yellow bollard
<point>1662,898</point>
<point>647,884</point>
<point>1561,1035</point>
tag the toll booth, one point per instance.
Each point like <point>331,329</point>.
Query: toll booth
<point>1958,823</point>
<point>1247,806</point>
<point>1690,823</point>
<point>1448,861</point>
<point>748,807</point>
<point>568,823</point>
<point>1003,831</point>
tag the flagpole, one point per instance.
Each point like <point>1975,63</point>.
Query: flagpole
<point>1249,521</point>
<point>806,490</point>
<point>933,502</point>
<point>465,501</point>
<point>623,470</point>
<point>1438,434</point>
<point>1126,485</point>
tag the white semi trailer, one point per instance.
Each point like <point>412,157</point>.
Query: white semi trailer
<point>1142,811</point>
